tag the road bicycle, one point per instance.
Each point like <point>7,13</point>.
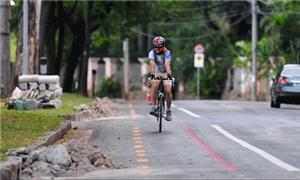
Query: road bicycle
<point>160,110</point>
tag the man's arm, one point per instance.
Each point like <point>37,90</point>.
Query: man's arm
<point>168,67</point>
<point>152,63</point>
<point>152,66</point>
<point>168,63</point>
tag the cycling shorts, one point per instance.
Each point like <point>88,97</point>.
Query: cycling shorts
<point>164,75</point>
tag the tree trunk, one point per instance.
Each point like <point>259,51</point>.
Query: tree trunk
<point>50,39</point>
<point>5,79</point>
<point>37,27</point>
<point>46,6</point>
<point>61,37</point>
<point>19,57</point>
<point>32,47</point>
<point>76,51</point>
<point>86,54</point>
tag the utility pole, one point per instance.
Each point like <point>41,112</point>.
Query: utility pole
<point>126,67</point>
<point>25,37</point>
<point>198,83</point>
<point>254,44</point>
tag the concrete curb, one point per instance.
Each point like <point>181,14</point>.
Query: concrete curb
<point>53,136</point>
<point>12,167</point>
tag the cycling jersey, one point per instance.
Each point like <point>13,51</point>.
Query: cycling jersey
<point>160,60</point>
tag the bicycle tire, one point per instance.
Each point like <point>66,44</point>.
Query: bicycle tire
<point>160,113</point>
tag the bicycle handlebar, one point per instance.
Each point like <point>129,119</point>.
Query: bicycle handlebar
<point>160,78</point>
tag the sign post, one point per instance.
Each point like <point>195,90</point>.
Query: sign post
<point>198,63</point>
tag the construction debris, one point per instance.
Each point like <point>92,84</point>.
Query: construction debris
<point>101,107</point>
<point>36,91</point>
<point>68,157</point>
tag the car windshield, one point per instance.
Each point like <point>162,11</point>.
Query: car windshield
<point>291,71</point>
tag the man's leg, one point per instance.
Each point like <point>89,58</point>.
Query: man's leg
<point>168,94</point>
<point>154,89</point>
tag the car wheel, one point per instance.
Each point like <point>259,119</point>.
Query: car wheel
<point>275,104</point>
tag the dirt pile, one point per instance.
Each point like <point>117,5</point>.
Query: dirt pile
<point>101,107</point>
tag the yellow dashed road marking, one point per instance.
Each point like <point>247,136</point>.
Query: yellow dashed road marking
<point>138,142</point>
<point>142,160</point>
<point>138,146</point>
<point>139,151</point>
<point>137,134</point>
<point>141,155</point>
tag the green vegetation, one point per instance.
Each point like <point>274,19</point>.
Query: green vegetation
<point>13,47</point>
<point>109,88</point>
<point>223,27</point>
<point>21,128</point>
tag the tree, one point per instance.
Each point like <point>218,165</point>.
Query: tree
<point>280,24</point>
<point>5,80</point>
<point>86,54</point>
<point>33,55</point>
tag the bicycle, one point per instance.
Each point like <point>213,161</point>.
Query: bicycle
<point>160,111</point>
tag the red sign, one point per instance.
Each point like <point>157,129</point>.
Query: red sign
<point>199,48</point>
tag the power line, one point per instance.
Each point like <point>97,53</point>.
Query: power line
<point>244,15</point>
<point>183,21</point>
<point>276,13</point>
<point>195,37</point>
<point>208,6</point>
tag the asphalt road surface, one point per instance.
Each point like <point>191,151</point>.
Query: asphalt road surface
<point>205,140</point>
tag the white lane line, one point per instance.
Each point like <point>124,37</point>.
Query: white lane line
<point>173,105</point>
<point>262,153</point>
<point>233,107</point>
<point>110,118</point>
<point>189,112</point>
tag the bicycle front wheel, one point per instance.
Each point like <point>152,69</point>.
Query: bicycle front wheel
<point>160,113</point>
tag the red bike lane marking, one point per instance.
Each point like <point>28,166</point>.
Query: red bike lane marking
<point>209,150</point>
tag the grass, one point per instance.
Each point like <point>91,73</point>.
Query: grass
<point>21,128</point>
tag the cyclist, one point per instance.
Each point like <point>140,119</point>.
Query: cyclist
<point>160,66</point>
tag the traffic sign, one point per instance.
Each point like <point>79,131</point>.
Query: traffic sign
<point>199,60</point>
<point>199,48</point>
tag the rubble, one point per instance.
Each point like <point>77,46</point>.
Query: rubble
<point>68,157</point>
<point>101,107</point>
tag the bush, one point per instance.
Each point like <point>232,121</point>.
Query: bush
<point>109,88</point>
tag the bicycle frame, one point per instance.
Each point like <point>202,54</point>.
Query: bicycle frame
<point>160,106</point>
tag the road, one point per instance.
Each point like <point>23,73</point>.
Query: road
<point>206,139</point>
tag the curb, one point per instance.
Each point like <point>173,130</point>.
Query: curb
<point>12,167</point>
<point>53,136</point>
